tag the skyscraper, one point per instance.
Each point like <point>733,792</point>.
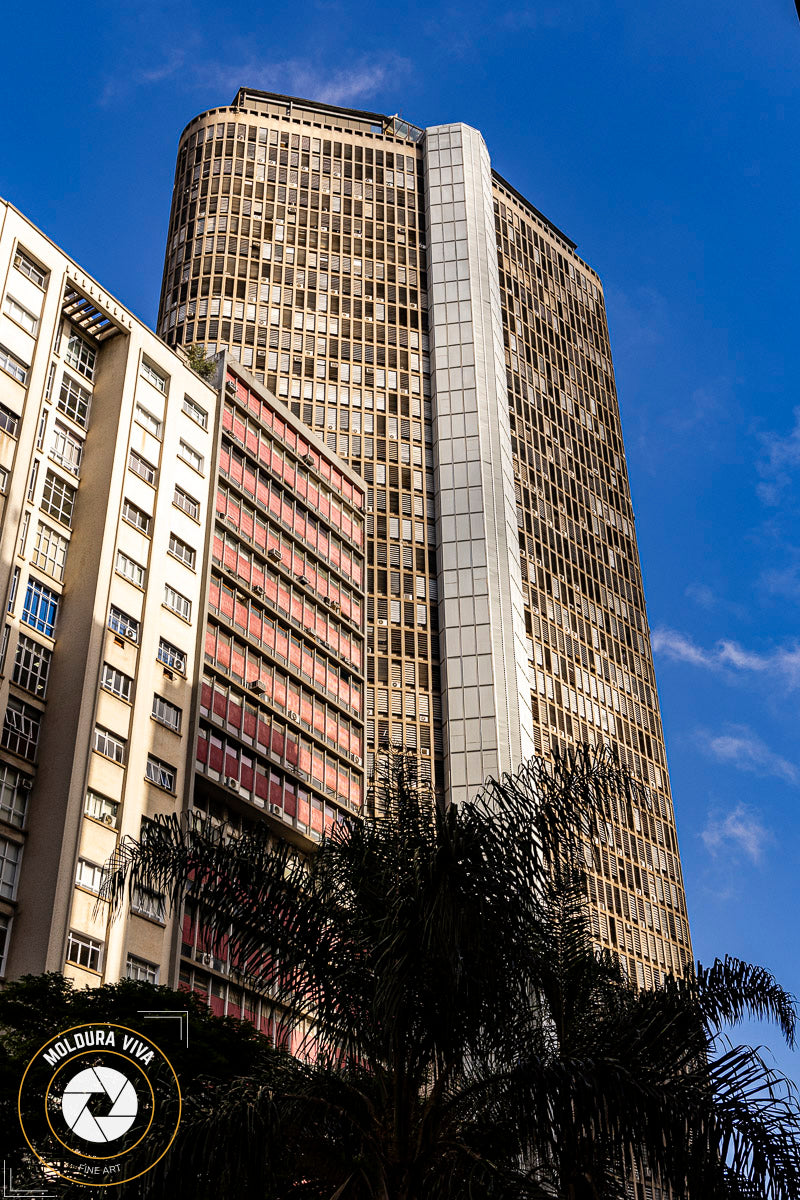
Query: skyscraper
<point>447,341</point>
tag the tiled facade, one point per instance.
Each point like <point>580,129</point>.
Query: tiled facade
<point>446,340</point>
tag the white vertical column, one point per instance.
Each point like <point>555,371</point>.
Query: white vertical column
<point>488,725</point>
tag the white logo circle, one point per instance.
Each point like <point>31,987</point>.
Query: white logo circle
<point>121,1103</point>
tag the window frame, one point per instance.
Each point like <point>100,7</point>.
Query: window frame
<point>176,607</point>
<point>64,493</point>
<point>190,559</point>
<point>84,941</point>
<point>30,646</point>
<point>129,507</point>
<point>188,454</point>
<point>77,361</point>
<point>13,883</point>
<point>9,421</point>
<point>128,568</point>
<point>191,508</point>
<point>50,603</point>
<point>131,624</point>
<point>12,812</point>
<point>191,408</point>
<point>158,766</point>
<point>96,872</point>
<point>101,734</point>
<point>27,266</point>
<point>79,411</point>
<point>100,815</point>
<point>161,710</point>
<point>169,661</point>
<point>13,366</point>
<point>108,682</point>
<point>136,459</point>
<point>151,423</point>
<point>161,382</point>
<point>12,302</point>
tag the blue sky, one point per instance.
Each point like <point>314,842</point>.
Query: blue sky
<point>663,140</point>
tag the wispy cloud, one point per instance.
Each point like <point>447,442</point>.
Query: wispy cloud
<point>742,748</point>
<point>782,664</point>
<point>736,833</point>
<point>361,78</point>
<point>780,459</point>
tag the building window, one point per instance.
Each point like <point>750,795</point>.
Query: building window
<point>161,773</point>
<point>194,410</point>
<point>168,714</point>
<point>74,401</point>
<point>21,728</point>
<point>171,656</point>
<point>13,366</point>
<point>136,516</point>
<point>31,270</point>
<point>66,449</point>
<point>148,421</point>
<point>190,456</point>
<point>100,808</point>
<point>128,569</point>
<point>32,666</point>
<point>3,480</point>
<point>21,315</point>
<point>12,594</point>
<point>109,744</point>
<point>120,622</point>
<point>141,467</point>
<point>58,498</point>
<point>178,603</point>
<point>5,937</point>
<point>14,791</point>
<point>182,551</point>
<point>50,551</point>
<point>155,377</point>
<point>40,610</point>
<point>10,858</point>
<point>149,903</point>
<point>9,421</point>
<point>83,951</point>
<point>140,970</point>
<point>116,682</point>
<point>89,875</point>
<point>81,355</point>
<point>187,503</point>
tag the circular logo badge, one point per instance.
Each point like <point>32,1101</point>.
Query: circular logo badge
<point>99,1104</point>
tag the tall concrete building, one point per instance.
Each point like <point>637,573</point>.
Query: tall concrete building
<point>182,573</point>
<point>446,340</point>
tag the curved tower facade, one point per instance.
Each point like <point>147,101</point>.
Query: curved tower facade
<point>446,341</point>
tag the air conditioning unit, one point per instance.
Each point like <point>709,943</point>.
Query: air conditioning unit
<point>256,686</point>
<point>358,761</point>
<point>276,810</point>
<point>232,782</point>
<point>26,783</point>
<point>258,589</point>
<point>302,579</point>
<point>396,685</point>
<point>108,819</point>
<point>230,387</point>
<point>293,716</point>
<point>207,959</point>
<point>425,752</point>
<point>384,623</point>
<point>274,556</point>
<point>308,460</point>
<point>231,571</point>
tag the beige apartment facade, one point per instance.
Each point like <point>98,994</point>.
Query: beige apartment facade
<point>107,467</point>
<point>447,341</point>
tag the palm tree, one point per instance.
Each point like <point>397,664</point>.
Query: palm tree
<point>455,1031</point>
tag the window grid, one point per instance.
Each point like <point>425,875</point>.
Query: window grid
<point>116,682</point>
<point>32,666</point>
<point>21,728</point>
<point>40,609</point>
<point>101,808</point>
<point>83,951</point>
<point>9,421</point>
<point>10,859</point>
<point>171,656</point>
<point>149,422</point>
<point>161,773</point>
<point>154,376</point>
<point>177,603</point>
<point>74,400</point>
<point>129,569</point>
<point>13,366</point>
<point>141,467</point>
<point>19,313</point>
<point>50,551</point>
<point>149,903</point>
<point>140,970</point>
<point>89,875</point>
<point>31,270</point>
<point>58,498</point>
<point>136,516</point>
<point>194,410</point>
<point>13,795</point>
<point>186,503</point>
<point>182,550</point>
<point>190,456</point>
<point>66,449</point>
<point>168,714</point>
<point>5,937</point>
<point>120,622</point>
<point>109,744</point>
<point>81,355</point>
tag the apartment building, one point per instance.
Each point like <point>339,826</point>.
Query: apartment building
<point>445,339</point>
<point>182,567</point>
